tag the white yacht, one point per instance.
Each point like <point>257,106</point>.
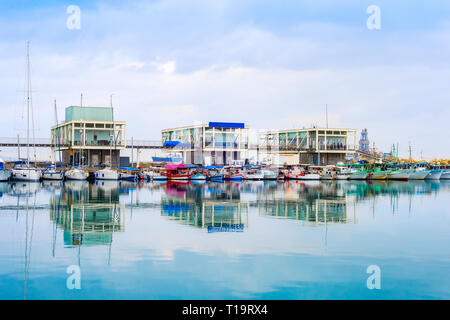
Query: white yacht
<point>25,172</point>
<point>107,174</point>
<point>76,174</point>
<point>52,174</point>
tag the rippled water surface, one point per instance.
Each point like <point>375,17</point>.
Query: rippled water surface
<point>250,240</point>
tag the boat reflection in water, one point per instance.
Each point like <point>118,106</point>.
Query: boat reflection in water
<point>210,205</point>
<point>216,207</point>
<point>89,214</point>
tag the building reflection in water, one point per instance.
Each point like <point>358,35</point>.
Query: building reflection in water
<point>89,214</point>
<point>315,202</point>
<point>214,206</point>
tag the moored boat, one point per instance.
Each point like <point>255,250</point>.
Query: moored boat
<point>52,174</point>
<point>402,174</point>
<point>25,172</point>
<point>359,175</point>
<point>434,174</point>
<point>445,175</point>
<point>419,174</point>
<point>269,175</point>
<point>76,174</point>
<point>307,176</point>
<point>5,174</point>
<point>198,176</point>
<point>253,175</point>
<point>378,175</point>
<point>107,174</point>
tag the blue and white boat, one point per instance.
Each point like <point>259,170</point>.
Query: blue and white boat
<point>216,177</point>
<point>52,174</point>
<point>198,176</point>
<point>5,174</point>
<point>434,174</point>
<point>170,158</point>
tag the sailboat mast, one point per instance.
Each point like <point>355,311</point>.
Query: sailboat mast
<point>28,103</point>
<point>112,133</point>
<point>80,163</point>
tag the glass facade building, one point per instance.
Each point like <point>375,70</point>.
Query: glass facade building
<point>319,146</point>
<point>212,143</point>
<point>88,134</point>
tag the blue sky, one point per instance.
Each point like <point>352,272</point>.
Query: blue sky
<point>271,64</point>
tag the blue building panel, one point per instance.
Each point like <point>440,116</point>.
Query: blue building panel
<point>236,125</point>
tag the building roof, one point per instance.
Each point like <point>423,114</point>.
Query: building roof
<point>88,113</point>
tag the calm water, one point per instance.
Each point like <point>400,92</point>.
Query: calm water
<point>251,240</point>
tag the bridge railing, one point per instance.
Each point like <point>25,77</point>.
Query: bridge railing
<point>144,143</point>
<point>23,140</point>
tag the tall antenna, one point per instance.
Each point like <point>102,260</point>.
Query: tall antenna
<point>326,112</point>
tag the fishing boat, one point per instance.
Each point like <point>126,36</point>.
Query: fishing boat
<point>359,175</point>
<point>402,174</point>
<point>378,175</point>
<point>419,174</point>
<point>198,176</point>
<point>253,174</point>
<point>5,174</point>
<point>232,174</point>
<point>326,176</point>
<point>233,177</point>
<point>76,174</point>
<point>155,174</point>
<point>434,174</point>
<point>24,171</point>
<point>177,172</point>
<point>446,174</point>
<point>216,177</point>
<point>308,176</point>
<point>52,174</point>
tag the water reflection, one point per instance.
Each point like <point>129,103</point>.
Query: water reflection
<point>89,214</point>
<point>217,207</point>
<point>183,234</point>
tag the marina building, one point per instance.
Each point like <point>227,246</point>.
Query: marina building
<point>89,136</point>
<point>213,143</point>
<point>318,146</point>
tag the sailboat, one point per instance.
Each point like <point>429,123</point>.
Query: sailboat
<point>109,173</point>
<point>24,171</point>
<point>76,173</point>
<point>51,173</point>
